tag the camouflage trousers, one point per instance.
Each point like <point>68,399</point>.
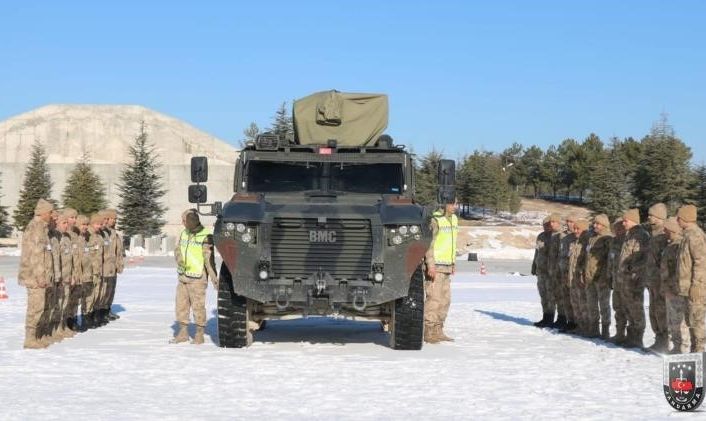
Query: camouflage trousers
<point>545,287</point>
<point>107,293</point>
<point>632,294</point>
<point>56,307</point>
<point>658,311</point>
<point>93,301</point>
<point>566,299</point>
<point>36,305</point>
<point>578,304</point>
<point>86,297</point>
<point>677,315</point>
<point>72,294</point>
<point>621,313</point>
<point>438,299</point>
<point>191,297</point>
<point>557,289</point>
<point>697,318</point>
<point>598,304</point>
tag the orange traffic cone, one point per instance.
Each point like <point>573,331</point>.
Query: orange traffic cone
<point>482,269</point>
<point>3,290</point>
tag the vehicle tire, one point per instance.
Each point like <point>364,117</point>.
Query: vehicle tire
<point>233,314</point>
<point>407,324</point>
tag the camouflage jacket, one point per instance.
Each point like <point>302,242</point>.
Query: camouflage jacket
<point>83,261</point>
<point>669,281</point>
<point>55,241</point>
<point>112,252</point>
<point>541,253</point>
<point>596,268</point>
<point>634,255</point>
<point>566,245</point>
<point>553,255</point>
<point>691,264</point>
<point>616,243</point>
<point>36,261</point>
<point>580,255</point>
<point>66,258</point>
<point>658,242</point>
<point>95,249</point>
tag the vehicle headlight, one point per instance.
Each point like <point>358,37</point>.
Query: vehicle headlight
<point>230,226</point>
<point>247,237</point>
<point>403,230</point>
<point>240,228</point>
<point>414,229</point>
<point>397,240</point>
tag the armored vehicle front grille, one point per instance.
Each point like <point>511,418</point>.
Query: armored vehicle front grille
<point>304,246</point>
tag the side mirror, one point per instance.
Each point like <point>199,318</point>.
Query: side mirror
<point>447,181</point>
<point>199,170</point>
<point>198,193</point>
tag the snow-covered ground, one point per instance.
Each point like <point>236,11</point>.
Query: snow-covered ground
<point>500,367</point>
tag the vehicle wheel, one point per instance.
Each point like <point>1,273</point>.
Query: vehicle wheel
<point>233,314</point>
<point>407,324</point>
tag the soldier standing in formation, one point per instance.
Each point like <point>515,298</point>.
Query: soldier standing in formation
<point>691,270</point>
<point>670,261</point>
<point>195,265</point>
<point>440,262</point>
<point>657,215</point>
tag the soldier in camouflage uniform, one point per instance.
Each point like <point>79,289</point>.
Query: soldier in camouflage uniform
<point>540,268</point>
<point>596,278</point>
<point>36,271</point>
<point>555,284</point>
<point>83,270</point>
<point>95,250</point>
<point>632,262</point>
<point>677,296</point>
<point>578,285</point>
<point>691,269</point>
<point>66,261</point>
<point>621,317</point>
<point>566,245</point>
<point>657,214</point>
<point>55,300</point>
<point>112,264</point>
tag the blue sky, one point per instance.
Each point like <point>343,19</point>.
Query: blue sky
<point>461,75</point>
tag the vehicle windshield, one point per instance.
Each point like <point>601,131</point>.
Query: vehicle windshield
<point>271,177</point>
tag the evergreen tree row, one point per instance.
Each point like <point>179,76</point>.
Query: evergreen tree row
<point>608,178</point>
<point>140,187</point>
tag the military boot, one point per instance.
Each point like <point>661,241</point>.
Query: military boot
<point>661,344</point>
<point>593,331</point>
<point>547,320</point>
<point>182,336</point>
<point>634,339</point>
<point>570,327</point>
<point>605,331</point>
<point>112,316</point>
<point>443,336</point>
<point>560,322</point>
<point>198,337</point>
<point>430,335</point>
<point>65,331</point>
<point>31,341</point>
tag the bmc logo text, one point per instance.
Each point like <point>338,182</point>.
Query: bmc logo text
<point>322,236</point>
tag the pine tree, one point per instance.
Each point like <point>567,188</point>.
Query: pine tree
<point>699,198</point>
<point>552,169</point>
<point>282,124</point>
<point>531,165</point>
<point>84,189</point>
<point>664,174</point>
<point>36,185</point>
<point>5,228</point>
<point>426,174</point>
<point>140,190</point>
<point>609,192</point>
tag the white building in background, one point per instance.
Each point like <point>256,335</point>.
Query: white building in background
<point>106,132</point>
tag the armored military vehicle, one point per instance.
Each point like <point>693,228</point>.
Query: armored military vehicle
<point>322,224</point>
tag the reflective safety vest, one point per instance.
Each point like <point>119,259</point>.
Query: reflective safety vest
<point>445,242</point>
<point>191,248</point>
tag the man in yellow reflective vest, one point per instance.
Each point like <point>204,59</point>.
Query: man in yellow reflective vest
<point>440,262</point>
<point>195,265</point>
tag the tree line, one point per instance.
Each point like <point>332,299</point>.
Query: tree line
<point>607,177</point>
<point>140,190</point>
